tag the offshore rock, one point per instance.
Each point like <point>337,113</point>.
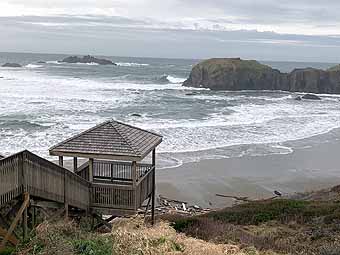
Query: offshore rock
<point>237,74</point>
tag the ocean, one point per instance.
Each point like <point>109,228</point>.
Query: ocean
<point>42,104</point>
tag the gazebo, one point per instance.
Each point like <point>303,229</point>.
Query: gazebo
<point>120,182</point>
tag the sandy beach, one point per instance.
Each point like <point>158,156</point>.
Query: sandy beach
<point>313,164</point>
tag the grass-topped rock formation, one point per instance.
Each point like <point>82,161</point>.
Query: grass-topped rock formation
<point>237,74</point>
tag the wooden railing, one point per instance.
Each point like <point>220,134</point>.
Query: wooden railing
<point>113,196</point>
<point>11,185</point>
<point>27,172</point>
<point>116,170</point>
<point>144,188</point>
<point>118,177</point>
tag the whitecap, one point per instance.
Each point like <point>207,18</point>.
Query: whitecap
<point>56,62</point>
<point>32,66</point>
<point>175,80</point>
<point>89,64</point>
<point>131,64</point>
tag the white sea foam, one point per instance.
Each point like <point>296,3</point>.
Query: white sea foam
<point>56,62</point>
<point>60,106</point>
<point>131,64</point>
<point>33,66</point>
<point>173,79</point>
<point>88,64</point>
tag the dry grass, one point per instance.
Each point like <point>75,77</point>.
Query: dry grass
<point>65,238</point>
<point>132,237</point>
<point>284,226</point>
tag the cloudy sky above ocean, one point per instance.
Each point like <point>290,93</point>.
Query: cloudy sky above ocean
<point>304,30</point>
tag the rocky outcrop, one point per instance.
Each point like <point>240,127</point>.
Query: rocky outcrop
<point>311,97</point>
<point>11,65</point>
<point>310,80</point>
<point>238,74</point>
<point>87,60</point>
<point>234,74</point>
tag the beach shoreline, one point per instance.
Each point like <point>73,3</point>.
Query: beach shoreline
<point>312,164</point>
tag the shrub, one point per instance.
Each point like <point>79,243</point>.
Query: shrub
<point>97,246</point>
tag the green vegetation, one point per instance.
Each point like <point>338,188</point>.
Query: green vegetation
<point>334,68</point>
<point>7,251</point>
<point>98,246</point>
<point>284,226</point>
<point>65,238</point>
<point>218,64</point>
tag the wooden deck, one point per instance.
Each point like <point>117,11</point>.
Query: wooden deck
<point>113,190</point>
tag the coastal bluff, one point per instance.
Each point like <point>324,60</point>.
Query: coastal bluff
<point>237,74</point>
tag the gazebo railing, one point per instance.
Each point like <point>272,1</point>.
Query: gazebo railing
<point>112,171</point>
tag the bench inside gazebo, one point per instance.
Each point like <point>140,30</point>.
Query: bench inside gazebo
<point>120,182</point>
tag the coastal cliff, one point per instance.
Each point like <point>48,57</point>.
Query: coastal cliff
<point>237,74</point>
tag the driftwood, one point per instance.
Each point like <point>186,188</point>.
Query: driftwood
<point>174,206</point>
<point>246,199</point>
<point>243,199</point>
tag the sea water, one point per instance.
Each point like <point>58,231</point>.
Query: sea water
<point>42,104</point>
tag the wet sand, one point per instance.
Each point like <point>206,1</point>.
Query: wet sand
<point>310,167</point>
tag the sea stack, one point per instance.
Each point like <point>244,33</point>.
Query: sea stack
<point>11,65</point>
<point>87,60</point>
<point>234,74</point>
<point>237,74</point>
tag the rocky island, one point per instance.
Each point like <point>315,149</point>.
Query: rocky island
<point>237,74</point>
<point>11,65</point>
<point>87,60</point>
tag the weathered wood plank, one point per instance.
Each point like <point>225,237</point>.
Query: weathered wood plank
<point>16,220</point>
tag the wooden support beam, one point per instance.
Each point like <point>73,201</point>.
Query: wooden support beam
<point>153,195</point>
<point>66,195</point>
<point>66,211</point>
<point>102,222</point>
<point>61,161</point>
<point>34,216</point>
<point>25,224</point>
<point>12,239</point>
<point>147,207</point>
<point>75,164</point>
<point>91,170</point>
<point>16,220</point>
<point>134,173</point>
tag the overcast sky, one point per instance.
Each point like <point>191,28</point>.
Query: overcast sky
<point>299,30</point>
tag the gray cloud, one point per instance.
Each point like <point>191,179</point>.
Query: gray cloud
<point>129,37</point>
<point>307,30</point>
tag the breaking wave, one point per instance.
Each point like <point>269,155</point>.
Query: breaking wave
<point>131,64</point>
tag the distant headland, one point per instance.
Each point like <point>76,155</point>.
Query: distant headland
<point>237,74</point>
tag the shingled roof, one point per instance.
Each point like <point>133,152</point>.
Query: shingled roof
<point>109,140</point>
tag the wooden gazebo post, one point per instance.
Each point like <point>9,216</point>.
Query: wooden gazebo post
<point>75,164</point>
<point>61,161</point>
<point>153,198</point>
<point>90,169</point>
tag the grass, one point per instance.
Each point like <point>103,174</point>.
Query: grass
<point>65,238</point>
<point>98,246</point>
<point>285,226</point>
<point>256,228</point>
<point>132,237</point>
<point>7,251</point>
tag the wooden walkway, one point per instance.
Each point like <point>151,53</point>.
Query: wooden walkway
<point>112,192</point>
